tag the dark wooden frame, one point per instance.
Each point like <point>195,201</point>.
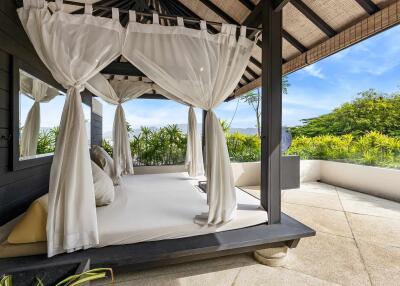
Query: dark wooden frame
<point>17,65</point>
<point>17,164</point>
<point>173,251</point>
<point>271,112</point>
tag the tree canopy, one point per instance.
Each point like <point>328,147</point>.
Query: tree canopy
<point>370,111</point>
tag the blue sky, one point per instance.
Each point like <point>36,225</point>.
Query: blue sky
<point>314,90</point>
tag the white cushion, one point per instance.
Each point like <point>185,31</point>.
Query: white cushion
<point>103,186</point>
<point>103,160</point>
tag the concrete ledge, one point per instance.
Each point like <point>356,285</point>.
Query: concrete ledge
<point>376,181</point>
<point>143,170</point>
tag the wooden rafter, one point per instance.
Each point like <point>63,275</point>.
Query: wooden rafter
<point>295,43</point>
<point>378,22</point>
<point>369,6</point>
<point>313,17</point>
<point>279,4</point>
<point>248,4</point>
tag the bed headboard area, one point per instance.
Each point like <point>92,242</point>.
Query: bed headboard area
<point>18,188</point>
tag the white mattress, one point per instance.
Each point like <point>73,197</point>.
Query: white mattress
<point>163,206</point>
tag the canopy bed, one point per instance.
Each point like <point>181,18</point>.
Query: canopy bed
<point>155,219</point>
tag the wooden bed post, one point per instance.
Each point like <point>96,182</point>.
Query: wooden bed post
<point>271,112</point>
<point>203,135</point>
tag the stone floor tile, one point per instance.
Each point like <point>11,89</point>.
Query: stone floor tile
<point>316,187</point>
<point>382,262</point>
<point>212,277</point>
<point>321,220</point>
<point>360,203</point>
<point>123,274</point>
<point>321,200</point>
<point>331,258</point>
<point>382,230</point>
<point>275,276</point>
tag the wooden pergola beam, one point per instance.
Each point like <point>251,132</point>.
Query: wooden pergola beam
<point>380,21</point>
<point>271,112</point>
<point>248,4</point>
<point>369,6</point>
<point>218,11</point>
<point>122,68</point>
<point>295,43</point>
<point>279,4</point>
<point>313,17</point>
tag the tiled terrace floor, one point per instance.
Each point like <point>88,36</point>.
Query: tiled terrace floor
<point>357,243</point>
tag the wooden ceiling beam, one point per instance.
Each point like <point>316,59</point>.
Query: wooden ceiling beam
<point>313,17</point>
<point>122,68</point>
<point>295,43</point>
<point>369,6</point>
<point>248,4</point>
<point>219,11</point>
<point>279,4</point>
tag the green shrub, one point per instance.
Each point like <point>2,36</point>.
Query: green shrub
<point>373,149</point>
<point>47,140</point>
<point>107,147</point>
<point>243,147</point>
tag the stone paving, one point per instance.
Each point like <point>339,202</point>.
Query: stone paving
<point>357,243</point>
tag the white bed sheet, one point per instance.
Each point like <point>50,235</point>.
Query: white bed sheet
<point>163,206</point>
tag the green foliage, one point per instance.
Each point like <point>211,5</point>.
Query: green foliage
<point>164,146</point>
<point>243,148</point>
<point>371,111</point>
<point>73,280</point>
<point>373,148</point>
<point>107,147</point>
<point>6,280</point>
<point>47,140</point>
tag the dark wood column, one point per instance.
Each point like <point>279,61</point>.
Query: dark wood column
<point>203,135</point>
<point>271,112</point>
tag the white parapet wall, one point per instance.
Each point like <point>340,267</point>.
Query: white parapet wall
<point>376,181</point>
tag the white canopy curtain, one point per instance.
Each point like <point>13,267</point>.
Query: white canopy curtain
<point>202,70</point>
<point>39,92</point>
<point>74,48</point>
<point>117,92</point>
<point>194,154</point>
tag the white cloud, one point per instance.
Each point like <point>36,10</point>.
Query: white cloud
<point>314,71</point>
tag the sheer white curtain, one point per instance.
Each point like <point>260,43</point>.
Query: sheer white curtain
<point>39,92</point>
<point>194,154</point>
<point>202,70</point>
<point>117,92</point>
<point>74,48</point>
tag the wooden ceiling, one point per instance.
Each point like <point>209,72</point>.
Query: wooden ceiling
<point>312,29</point>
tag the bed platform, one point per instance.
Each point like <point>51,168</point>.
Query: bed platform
<point>172,251</point>
<point>151,223</point>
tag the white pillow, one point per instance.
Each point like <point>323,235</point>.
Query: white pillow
<point>103,160</point>
<point>103,186</point>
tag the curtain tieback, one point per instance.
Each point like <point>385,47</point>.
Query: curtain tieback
<point>79,87</point>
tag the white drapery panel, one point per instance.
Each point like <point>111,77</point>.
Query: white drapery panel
<point>39,92</point>
<point>194,154</point>
<point>202,70</point>
<point>74,48</point>
<point>117,92</point>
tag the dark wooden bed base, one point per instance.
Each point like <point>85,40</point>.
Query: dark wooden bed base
<point>172,251</point>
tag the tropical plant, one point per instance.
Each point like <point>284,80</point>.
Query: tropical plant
<point>253,98</point>
<point>107,146</point>
<point>371,111</point>
<point>73,280</point>
<point>47,140</point>
<point>373,148</point>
